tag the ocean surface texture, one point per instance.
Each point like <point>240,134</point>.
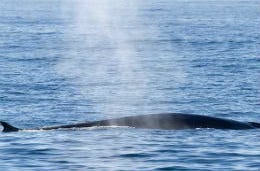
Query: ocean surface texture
<point>64,61</point>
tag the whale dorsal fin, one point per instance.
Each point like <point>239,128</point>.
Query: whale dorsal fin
<point>8,127</point>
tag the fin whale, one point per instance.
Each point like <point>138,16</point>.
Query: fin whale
<point>169,121</point>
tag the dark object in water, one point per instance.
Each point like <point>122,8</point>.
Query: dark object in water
<point>168,121</point>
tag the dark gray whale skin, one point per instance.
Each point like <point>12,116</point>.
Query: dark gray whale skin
<point>168,121</point>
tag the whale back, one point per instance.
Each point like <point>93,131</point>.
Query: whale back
<point>176,121</point>
<point>156,121</point>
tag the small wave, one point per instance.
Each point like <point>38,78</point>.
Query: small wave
<point>134,155</point>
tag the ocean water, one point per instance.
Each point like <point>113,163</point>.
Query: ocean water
<point>67,61</point>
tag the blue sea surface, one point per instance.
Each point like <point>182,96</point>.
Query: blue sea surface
<point>65,62</point>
